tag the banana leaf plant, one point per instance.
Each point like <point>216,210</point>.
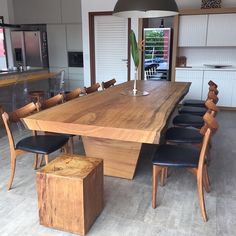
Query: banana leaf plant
<point>134,49</point>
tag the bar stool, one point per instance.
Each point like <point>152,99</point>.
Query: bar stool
<point>36,96</point>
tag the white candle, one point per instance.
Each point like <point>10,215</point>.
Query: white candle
<point>135,83</point>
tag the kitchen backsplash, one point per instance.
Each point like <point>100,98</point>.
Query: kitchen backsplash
<point>211,55</point>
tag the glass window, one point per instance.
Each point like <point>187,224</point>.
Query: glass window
<point>3,57</point>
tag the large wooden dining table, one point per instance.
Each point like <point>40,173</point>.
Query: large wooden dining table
<point>114,126</point>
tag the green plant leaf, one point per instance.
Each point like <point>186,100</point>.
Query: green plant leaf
<point>134,48</point>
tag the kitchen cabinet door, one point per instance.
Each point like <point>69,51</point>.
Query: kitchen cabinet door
<point>193,30</point>
<point>196,79</point>
<point>234,92</point>
<point>221,31</point>
<point>74,37</point>
<point>57,45</point>
<point>224,80</point>
<point>71,11</point>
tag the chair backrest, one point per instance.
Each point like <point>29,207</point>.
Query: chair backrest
<point>211,83</point>
<point>212,125</point>
<point>108,84</point>
<point>212,109</point>
<point>57,99</point>
<point>73,94</point>
<point>15,117</point>
<point>214,89</point>
<point>211,106</point>
<point>211,95</point>
<point>92,89</point>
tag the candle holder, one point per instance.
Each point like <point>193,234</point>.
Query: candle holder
<point>135,92</point>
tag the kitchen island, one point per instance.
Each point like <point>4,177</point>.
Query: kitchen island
<point>14,86</point>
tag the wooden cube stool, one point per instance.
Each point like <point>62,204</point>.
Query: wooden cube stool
<point>70,193</point>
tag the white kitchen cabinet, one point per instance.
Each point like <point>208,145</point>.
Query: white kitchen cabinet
<point>221,32</point>
<point>71,11</point>
<point>37,12</point>
<point>196,79</point>
<point>57,45</point>
<point>74,37</point>
<point>193,30</point>
<point>234,92</point>
<point>224,80</point>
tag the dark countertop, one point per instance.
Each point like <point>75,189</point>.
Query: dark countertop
<point>14,72</point>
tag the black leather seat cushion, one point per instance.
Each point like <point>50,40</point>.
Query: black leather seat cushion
<point>194,103</point>
<point>42,144</point>
<point>183,135</point>
<point>176,156</point>
<point>188,120</point>
<point>199,111</point>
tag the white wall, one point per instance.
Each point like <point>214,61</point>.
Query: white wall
<point>95,6</point>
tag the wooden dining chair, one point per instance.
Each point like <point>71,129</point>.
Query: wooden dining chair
<point>38,144</point>
<point>201,103</point>
<point>108,84</point>
<point>72,95</point>
<point>188,120</point>
<point>188,135</point>
<point>51,102</point>
<point>186,157</point>
<point>92,89</point>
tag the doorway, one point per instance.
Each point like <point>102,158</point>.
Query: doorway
<point>109,47</point>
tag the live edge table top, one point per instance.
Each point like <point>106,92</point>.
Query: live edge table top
<point>111,115</point>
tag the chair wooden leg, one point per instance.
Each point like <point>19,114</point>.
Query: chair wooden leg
<point>36,161</point>
<point>201,198</point>
<point>13,168</point>
<point>156,169</point>
<point>71,145</point>
<point>206,179</point>
<point>46,159</point>
<point>164,176</point>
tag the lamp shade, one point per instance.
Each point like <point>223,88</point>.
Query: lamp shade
<point>145,8</point>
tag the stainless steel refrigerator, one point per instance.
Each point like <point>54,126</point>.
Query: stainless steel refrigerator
<point>156,53</point>
<point>29,48</point>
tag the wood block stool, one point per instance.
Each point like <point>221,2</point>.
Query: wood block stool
<point>36,96</point>
<point>70,193</point>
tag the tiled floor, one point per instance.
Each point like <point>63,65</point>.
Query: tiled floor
<point>128,208</point>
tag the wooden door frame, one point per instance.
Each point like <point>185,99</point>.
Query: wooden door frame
<point>4,42</point>
<point>92,44</point>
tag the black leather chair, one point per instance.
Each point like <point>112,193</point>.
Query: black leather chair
<point>187,120</point>
<point>38,144</point>
<point>179,135</point>
<point>201,103</point>
<point>198,111</point>
<point>191,158</point>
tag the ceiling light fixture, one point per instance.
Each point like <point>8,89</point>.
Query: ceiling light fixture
<point>145,8</point>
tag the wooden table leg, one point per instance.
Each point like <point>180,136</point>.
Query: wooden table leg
<point>120,158</point>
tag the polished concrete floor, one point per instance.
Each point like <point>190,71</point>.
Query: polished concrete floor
<point>128,210</point>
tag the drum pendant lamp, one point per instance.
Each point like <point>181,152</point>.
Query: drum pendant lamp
<point>145,8</point>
